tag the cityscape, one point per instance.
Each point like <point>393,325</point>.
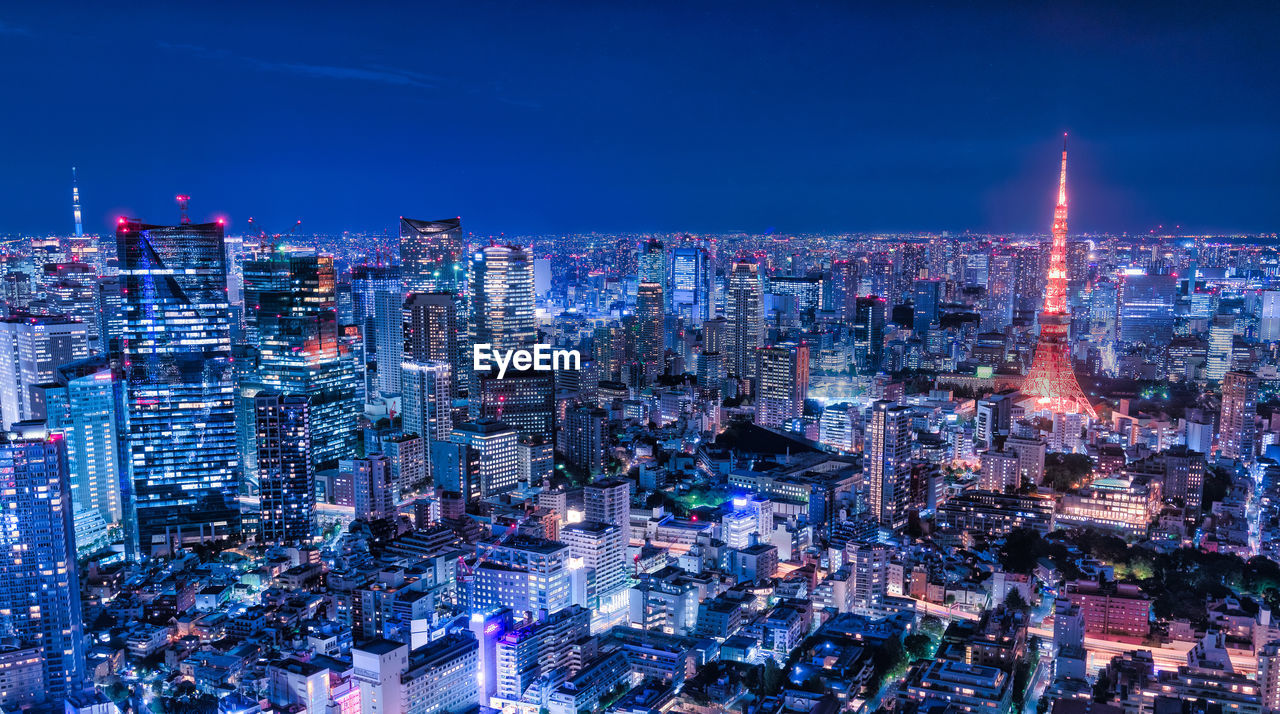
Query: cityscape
<point>405,465</point>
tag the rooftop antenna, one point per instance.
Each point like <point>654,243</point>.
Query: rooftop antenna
<point>75,203</point>
<point>183,199</point>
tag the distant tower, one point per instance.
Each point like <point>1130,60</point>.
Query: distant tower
<point>1051,380</point>
<point>75,203</point>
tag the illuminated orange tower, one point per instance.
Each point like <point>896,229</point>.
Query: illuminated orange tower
<point>1051,381</point>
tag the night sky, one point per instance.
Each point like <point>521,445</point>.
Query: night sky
<point>533,117</point>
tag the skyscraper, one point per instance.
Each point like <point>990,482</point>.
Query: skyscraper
<point>1051,380</point>
<point>601,548</point>
<point>744,308</point>
<point>501,285</point>
<point>495,447</point>
<point>784,383</point>
<point>608,501</point>
<point>926,297</point>
<point>373,490</point>
<point>41,594</point>
<point>431,255</point>
<point>888,463</point>
<point>1269,323</point>
<point>650,340</point>
<point>426,399</point>
<point>869,317</point>
<point>291,318</point>
<point>286,475</point>
<point>585,438</point>
<point>179,387</point>
<point>691,282</point>
<point>1146,309</point>
<point>32,347</point>
<point>525,401</point>
<point>81,406</point>
<point>1239,410</point>
<point>1221,340</point>
<point>430,325</point>
<point>388,310</point>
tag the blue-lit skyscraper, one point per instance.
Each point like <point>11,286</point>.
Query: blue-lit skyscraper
<point>179,387</point>
<point>81,406</point>
<point>286,478</point>
<point>40,595</point>
<point>926,299</point>
<point>431,255</point>
<point>1146,309</point>
<point>691,284</point>
<point>291,318</point>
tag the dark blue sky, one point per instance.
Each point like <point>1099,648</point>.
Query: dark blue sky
<point>542,117</point>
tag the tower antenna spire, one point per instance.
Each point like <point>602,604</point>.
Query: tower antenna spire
<point>1052,381</point>
<point>183,199</point>
<point>75,203</point>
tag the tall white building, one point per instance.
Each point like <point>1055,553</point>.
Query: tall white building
<point>599,551</point>
<point>31,348</point>
<point>495,446</point>
<point>609,501</point>
<point>888,469</point>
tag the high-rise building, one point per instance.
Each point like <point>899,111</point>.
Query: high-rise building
<point>1146,309</point>
<point>32,347</point>
<point>744,308</point>
<point>1052,380</point>
<point>373,488</point>
<point>40,599</point>
<point>926,299</point>
<point>691,281</point>
<point>608,501</point>
<point>783,377</point>
<point>431,332</point>
<point>494,444</point>
<point>81,406</point>
<point>868,566</point>
<point>71,289</point>
<point>652,262</point>
<point>502,299</point>
<point>523,574</point>
<point>600,550</point>
<point>286,475</point>
<point>426,399</point>
<point>869,316</point>
<point>1221,341</point>
<point>291,318</point>
<point>366,282</point>
<point>1239,410</point>
<point>408,455</point>
<point>1269,321</point>
<point>888,469</point>
<point>388,310</point>
<point>649,314</point>
<point>528,652</point>
<point>585,438</point>
<point>179,387</point>
<point>431,255</point>
<point>524,400</point>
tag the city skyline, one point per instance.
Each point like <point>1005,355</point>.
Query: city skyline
<point>564,367</point>
<point>614,119</point>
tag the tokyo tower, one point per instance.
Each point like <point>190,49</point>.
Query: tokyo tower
<point>1051,381</point>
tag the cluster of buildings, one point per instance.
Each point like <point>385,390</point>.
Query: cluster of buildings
<point>629,474</point>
